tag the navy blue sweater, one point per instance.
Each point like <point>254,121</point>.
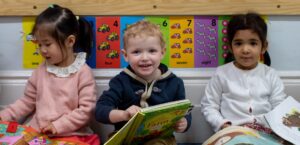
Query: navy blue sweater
<point>126,89</point>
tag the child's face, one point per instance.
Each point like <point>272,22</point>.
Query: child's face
<point>50,50</point>
<point>144,53</point>
<point>246,47</point>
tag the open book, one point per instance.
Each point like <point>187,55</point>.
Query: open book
<point>151,122</point>
<point>238,135</point>
<point>284,120</point>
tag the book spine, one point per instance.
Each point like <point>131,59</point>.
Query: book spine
<point>139,118</point>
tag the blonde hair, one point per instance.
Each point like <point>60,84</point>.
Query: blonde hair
<point>143,28</point>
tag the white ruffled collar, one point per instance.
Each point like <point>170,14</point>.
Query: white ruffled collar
<point>67,71</point>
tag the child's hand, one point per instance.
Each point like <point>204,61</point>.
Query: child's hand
<point>181,125</point>
<point>226,124</point>
<point>123,115</point>
<point>132,110</point>
<point>49,129</point>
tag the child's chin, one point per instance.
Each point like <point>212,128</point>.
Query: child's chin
<point>145,70</point>
<point>53,63</point>
<point>145,73</point>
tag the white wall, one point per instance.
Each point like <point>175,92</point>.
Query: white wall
<point>12,84</point>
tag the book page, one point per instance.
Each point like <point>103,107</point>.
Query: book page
<point>285,120</point>
<point>237,135</point>
<point>119,137</point>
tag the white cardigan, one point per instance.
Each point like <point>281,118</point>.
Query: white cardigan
<point>241,96</point>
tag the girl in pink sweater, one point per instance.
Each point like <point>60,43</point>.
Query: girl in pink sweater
<point>61,93</point>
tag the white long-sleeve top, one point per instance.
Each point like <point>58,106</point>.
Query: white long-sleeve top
<point>241,96</point>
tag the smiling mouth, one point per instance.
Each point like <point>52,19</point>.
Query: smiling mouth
<point>145,65</point>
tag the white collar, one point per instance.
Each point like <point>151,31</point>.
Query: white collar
<point>67,71</point>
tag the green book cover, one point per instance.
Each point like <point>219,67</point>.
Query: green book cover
<point>151,122</point>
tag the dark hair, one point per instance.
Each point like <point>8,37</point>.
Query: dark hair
<point>251,21</point>
<point>61,23</point>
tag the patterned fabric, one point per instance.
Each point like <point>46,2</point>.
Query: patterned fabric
<point>258,127</point>
<point>87,139</point>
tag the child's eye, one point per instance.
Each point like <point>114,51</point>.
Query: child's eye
<point>47,44</point>
<point>136,52</point>
<point>237,43</point>
<point>152,50</point>
<point>253,43</point>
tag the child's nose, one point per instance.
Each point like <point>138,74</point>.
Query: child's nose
<point>246,49</point>
<point>42,50</point>
<point>144,56</point>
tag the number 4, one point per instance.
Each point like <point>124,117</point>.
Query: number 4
<point>116,23</point>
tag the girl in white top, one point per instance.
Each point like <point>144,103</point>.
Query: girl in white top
<point>242,91</point>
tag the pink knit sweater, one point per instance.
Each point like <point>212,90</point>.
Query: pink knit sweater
<point>67,102</point>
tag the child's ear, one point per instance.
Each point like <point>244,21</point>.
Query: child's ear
<point>230,48</point>
<point>163,52</point>
<point>264,48</point>
<point>125,54</point>
<point>70,41</point>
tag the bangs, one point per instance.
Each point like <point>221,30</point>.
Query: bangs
<point>43,30</point>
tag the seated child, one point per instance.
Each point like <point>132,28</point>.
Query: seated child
<point>145,82</point>
<point>61,92</point>
<point>242,91</point>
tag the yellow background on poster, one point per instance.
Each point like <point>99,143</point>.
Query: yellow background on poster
<point>31,57</point>
<point>181,43</point>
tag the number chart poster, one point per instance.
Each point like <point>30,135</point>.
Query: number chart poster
<point>108,42</point>
<point>191,41</point>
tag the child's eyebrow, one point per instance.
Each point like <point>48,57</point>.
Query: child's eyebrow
<point>237,40</point>
<point>254,39</point>
<point>137,48</point>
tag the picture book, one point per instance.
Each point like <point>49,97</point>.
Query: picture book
<point>151,122</point>
<point>284,120</point>
<point>238,135</point>
<point>12,133</point>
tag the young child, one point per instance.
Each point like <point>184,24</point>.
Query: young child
<point>61,93</point>
<point>145,82</point>
<point>242,91</point>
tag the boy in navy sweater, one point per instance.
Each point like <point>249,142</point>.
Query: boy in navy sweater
<point>145,82</point>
